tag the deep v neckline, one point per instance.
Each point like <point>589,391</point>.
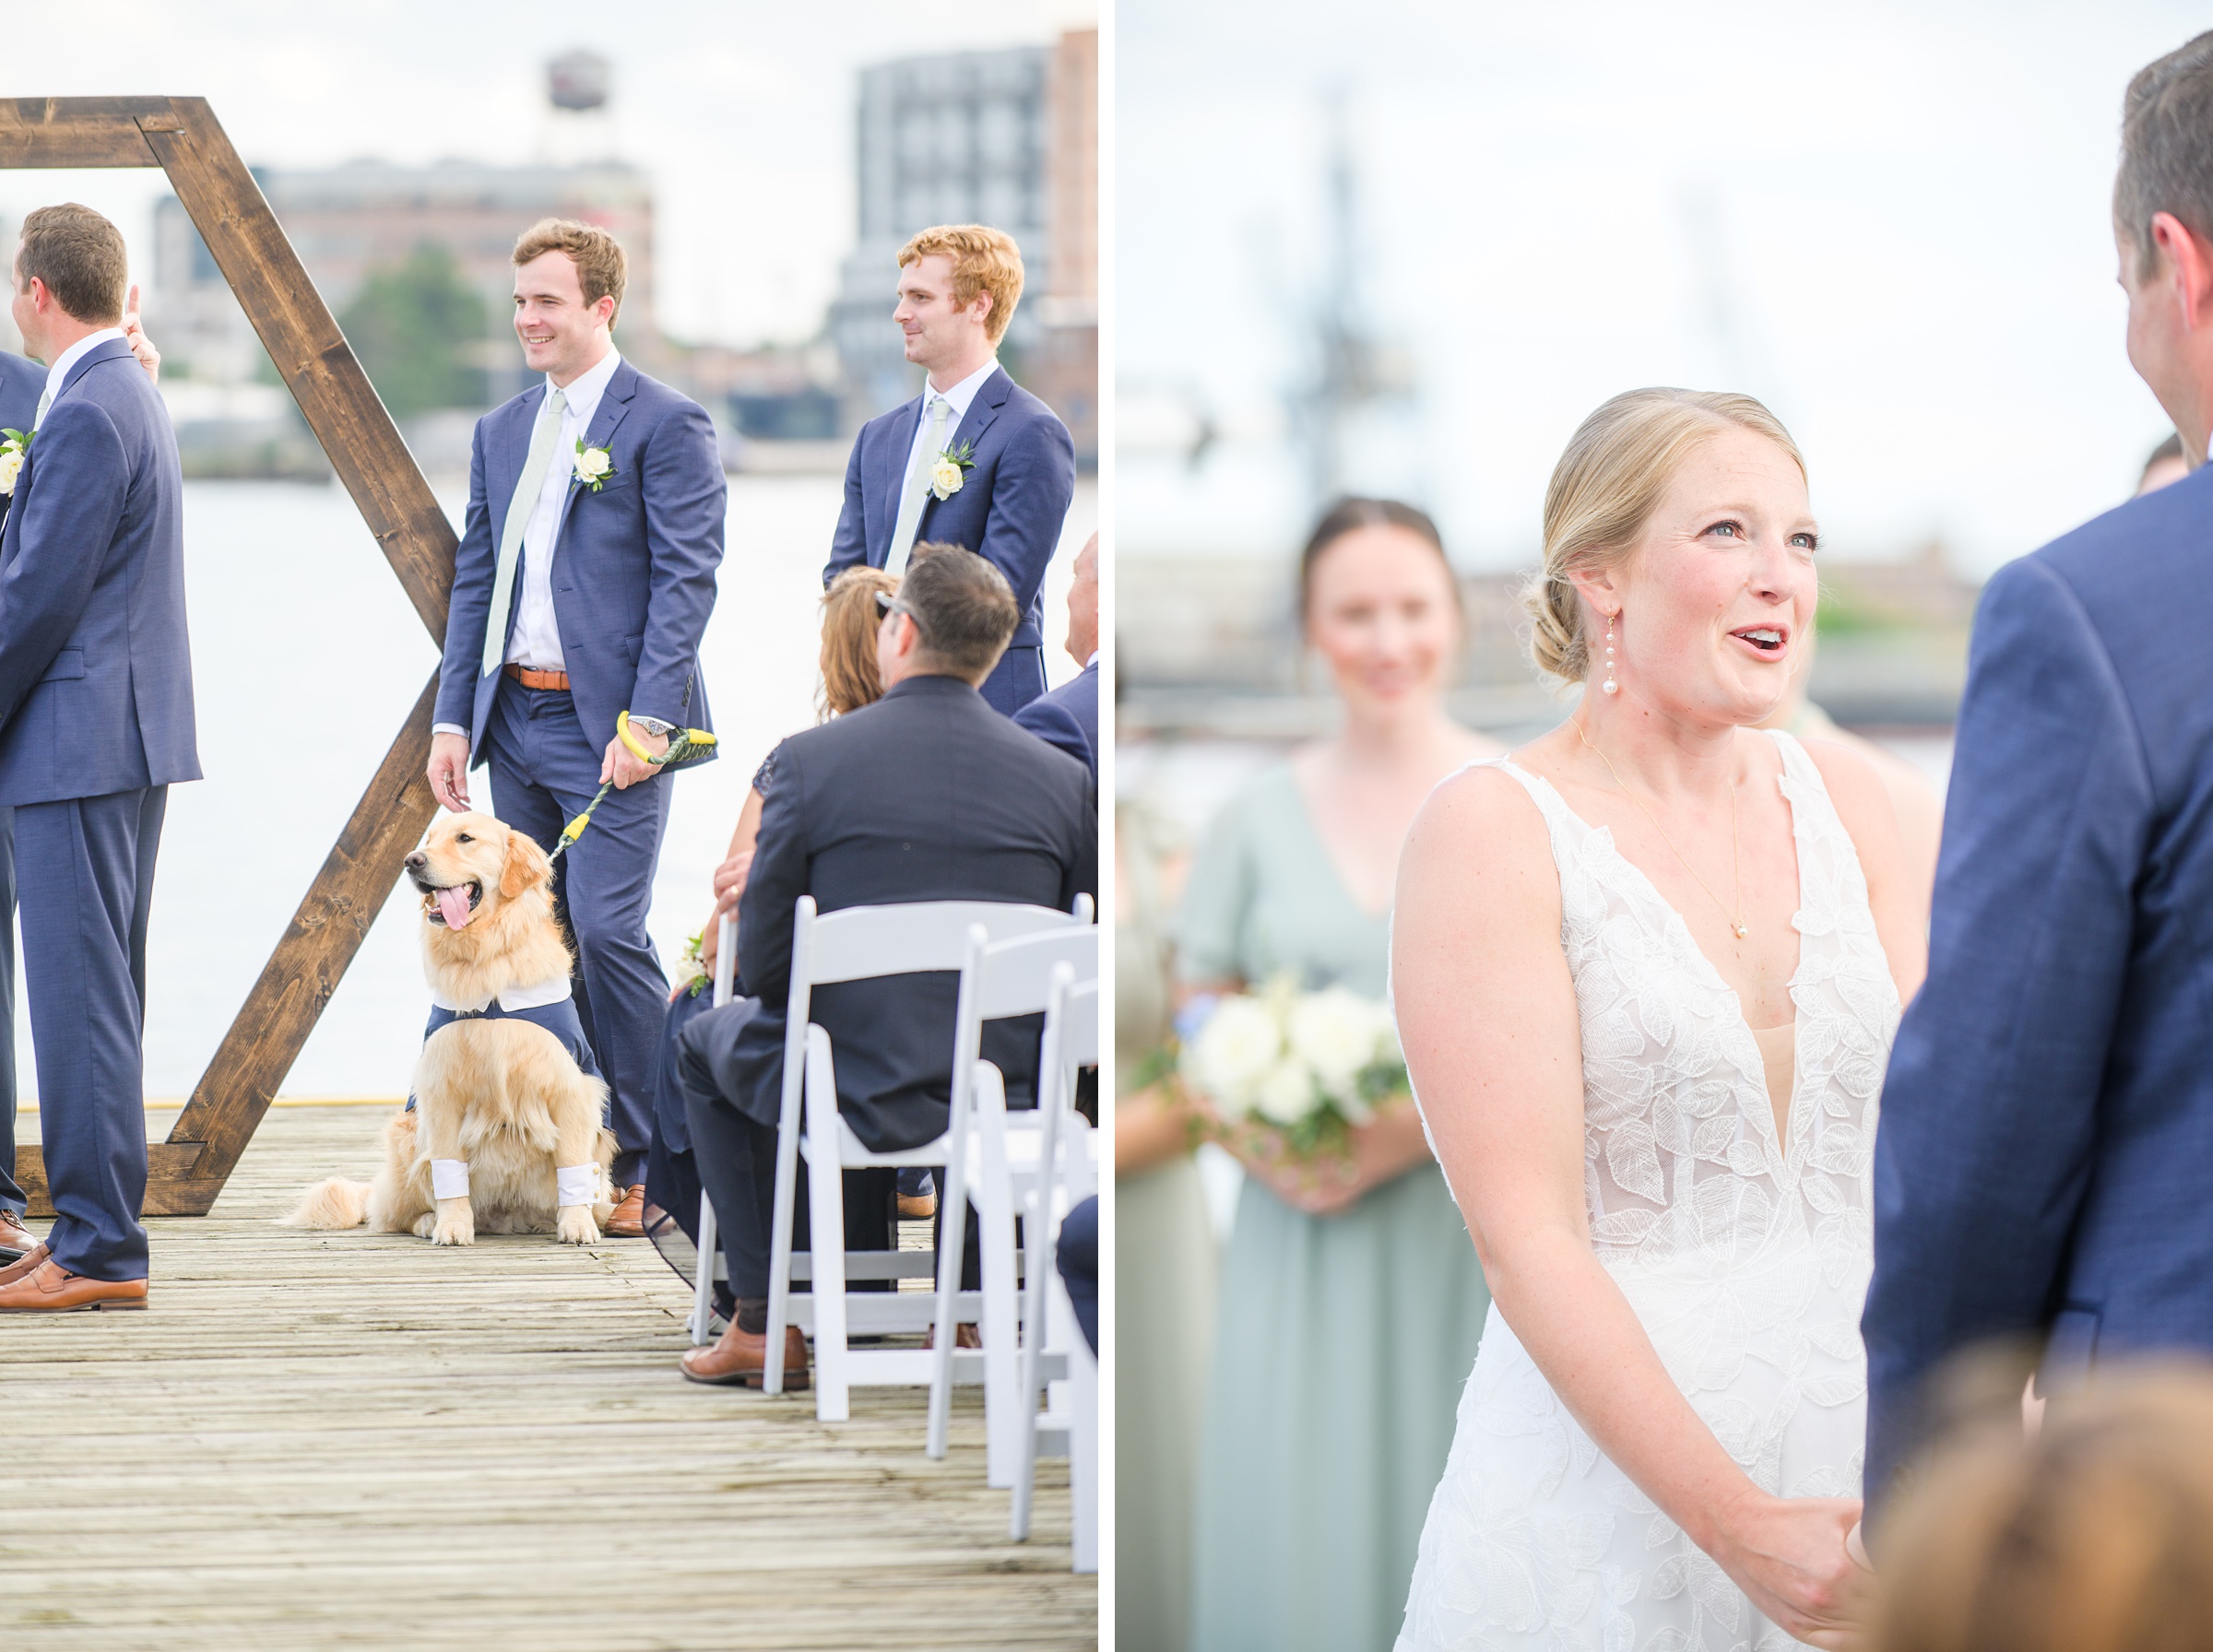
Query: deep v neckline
<point>1326,856</point>
<point>1781,1139</point>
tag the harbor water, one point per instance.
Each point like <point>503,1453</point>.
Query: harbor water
<point>307,658</point>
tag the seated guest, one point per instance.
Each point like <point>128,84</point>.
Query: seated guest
<point>850,616</point>
<point>1069,716</point>
<point>1077,1257</point>
<point>928,795</point>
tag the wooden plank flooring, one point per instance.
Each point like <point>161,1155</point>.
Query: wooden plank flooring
<point>346,1440</point>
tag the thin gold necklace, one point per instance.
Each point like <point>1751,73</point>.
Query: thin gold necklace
<point>1736,919</point>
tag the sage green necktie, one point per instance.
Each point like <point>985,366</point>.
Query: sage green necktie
<point>544,437</point>
<point>45,401</point>
<point>918,487</point>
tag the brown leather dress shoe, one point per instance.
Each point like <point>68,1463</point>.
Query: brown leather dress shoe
<point>53,1288</point>
<point>16,1241</point>
<point>24,1265</point>
<point>628,1219</point>
<point>740,1357</point>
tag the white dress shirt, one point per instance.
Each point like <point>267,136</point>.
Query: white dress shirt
<point>960,396</point>
<point>536,641</point>
<point>68,359</point>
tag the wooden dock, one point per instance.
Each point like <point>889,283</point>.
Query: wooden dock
<point>347,1440</point>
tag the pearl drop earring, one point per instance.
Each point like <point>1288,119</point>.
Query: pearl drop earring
<point>1610,686</point>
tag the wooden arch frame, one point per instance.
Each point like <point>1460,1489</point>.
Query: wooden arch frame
<point>182,137</point>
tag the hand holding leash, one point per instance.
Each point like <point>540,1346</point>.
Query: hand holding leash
<point>683,746</point>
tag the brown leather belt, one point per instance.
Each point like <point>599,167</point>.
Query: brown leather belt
<point>540,679</point>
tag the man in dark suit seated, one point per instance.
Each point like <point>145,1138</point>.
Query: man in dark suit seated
<point>1069,716</point>
<point>928,795</point>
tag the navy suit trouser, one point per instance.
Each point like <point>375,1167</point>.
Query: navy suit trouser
<point>1018,678</point>
<point>86,870</point>
<point>543,774</point>
<point>11,1193</point>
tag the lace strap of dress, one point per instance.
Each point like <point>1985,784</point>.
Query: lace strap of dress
<point>1835,910</point>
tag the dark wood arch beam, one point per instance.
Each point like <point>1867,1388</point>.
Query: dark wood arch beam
<point>182,137</point>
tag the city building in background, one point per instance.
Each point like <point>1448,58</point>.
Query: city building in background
<point>1008,138</point>
<point>414,262</point>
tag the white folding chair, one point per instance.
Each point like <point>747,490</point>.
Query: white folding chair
<point>860,943</point>
<point>1055,1348</point>
<point>994,1164</point>
<point>950,923</point>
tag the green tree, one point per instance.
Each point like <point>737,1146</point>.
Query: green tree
<point>417,328</point>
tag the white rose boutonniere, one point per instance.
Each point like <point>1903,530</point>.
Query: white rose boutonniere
<point>14,450</point>
<point>949,470</point>
<point>593,466</point>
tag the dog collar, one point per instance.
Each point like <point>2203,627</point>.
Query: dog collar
<point>511,997</point>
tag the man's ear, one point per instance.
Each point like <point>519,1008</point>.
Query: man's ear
<point>2189,265</point>
<point>527,865</point>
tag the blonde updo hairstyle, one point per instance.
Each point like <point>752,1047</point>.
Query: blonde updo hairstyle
<point>1603,492</point>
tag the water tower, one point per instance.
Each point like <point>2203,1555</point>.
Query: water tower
<point>578,88</point>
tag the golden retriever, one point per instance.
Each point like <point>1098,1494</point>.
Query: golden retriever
<point>502,1095</point>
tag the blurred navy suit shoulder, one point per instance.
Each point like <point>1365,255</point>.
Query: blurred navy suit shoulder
<point>1068,717</point>
<point>2045,1147</point>
<point>928,795</point>
<point>1012,504</point>
<point>21,380</point>
<point>95,663</point>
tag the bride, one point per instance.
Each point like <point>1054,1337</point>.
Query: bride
<point>1646,971</point>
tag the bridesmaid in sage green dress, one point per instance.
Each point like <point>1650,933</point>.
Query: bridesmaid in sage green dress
<point>1349,1306</point>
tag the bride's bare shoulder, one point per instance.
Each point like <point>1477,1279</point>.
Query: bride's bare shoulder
<point>1481,818</point>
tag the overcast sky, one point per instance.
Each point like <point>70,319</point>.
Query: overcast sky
<point>742,110</point>
<point>1901,210</point>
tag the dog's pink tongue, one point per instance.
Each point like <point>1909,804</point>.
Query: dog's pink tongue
<point>453,906</point>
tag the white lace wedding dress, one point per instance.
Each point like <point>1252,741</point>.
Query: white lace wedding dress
<point>1746,1258</point>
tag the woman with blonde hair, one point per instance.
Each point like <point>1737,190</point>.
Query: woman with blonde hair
<point>851,614</point>
<point>1646,971</point>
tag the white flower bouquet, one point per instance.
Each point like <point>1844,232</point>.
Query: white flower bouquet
<point>1307,1065</point>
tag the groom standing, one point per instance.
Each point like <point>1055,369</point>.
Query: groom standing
<point>2042,1165</point>
<point>581,589</point>
<point>976,460</point>
<point>96,722</point>
<point>22,383</point>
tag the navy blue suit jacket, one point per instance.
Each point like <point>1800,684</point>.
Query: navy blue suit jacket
<point>95,665</point>
<point>928,795</point>
<point>22,381</point>
<point>1068,717</point>
<point>2045,1148</point>
<point>1009,509</point>
<point>634,565</point>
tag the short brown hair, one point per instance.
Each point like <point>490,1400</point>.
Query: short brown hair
<point>2095,1536</point>
<point>964,608</point>
<point>2167,148</point>
<point>984,260</point>
<point>80,256</point>
<point>850,616</point>
<point>601,268</point>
